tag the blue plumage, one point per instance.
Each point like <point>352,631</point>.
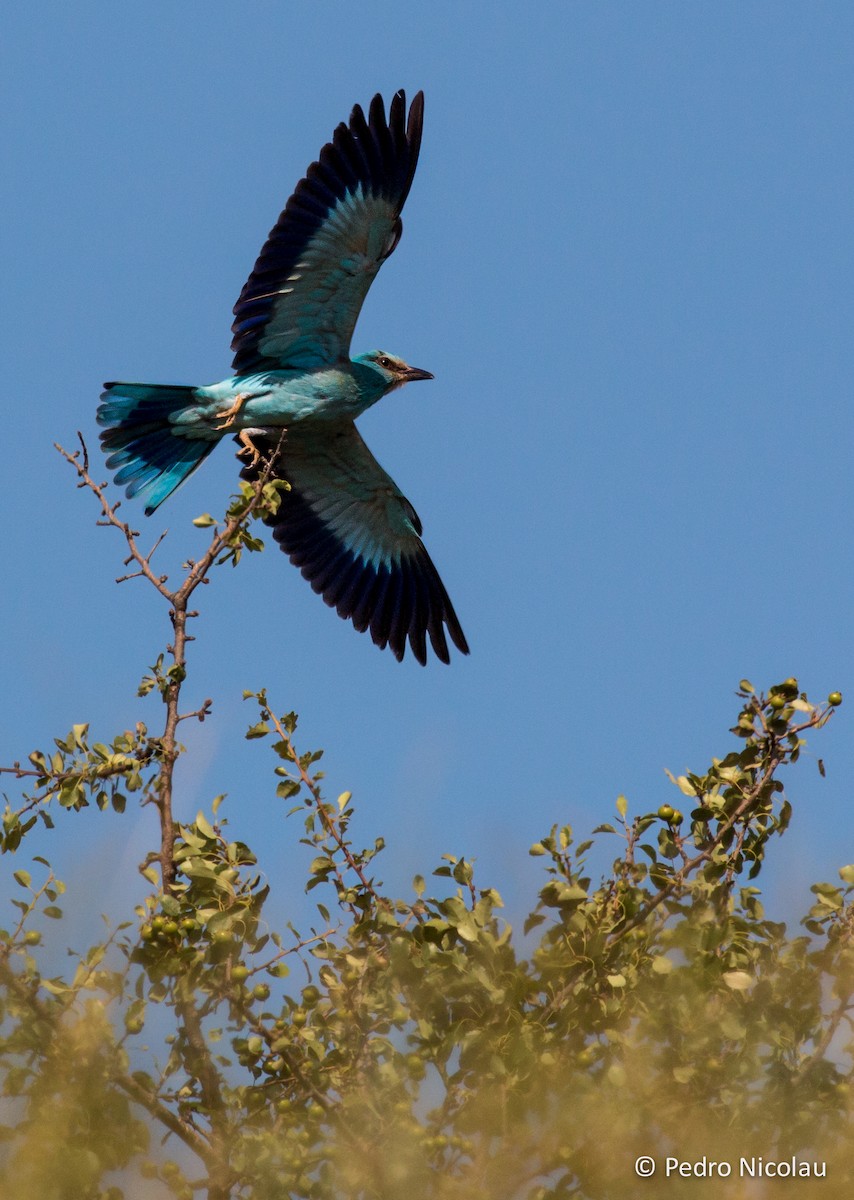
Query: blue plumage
<point>343,521</point>
<point>141,438</point>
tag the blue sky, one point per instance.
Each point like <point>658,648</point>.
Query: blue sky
<point>627,259</point>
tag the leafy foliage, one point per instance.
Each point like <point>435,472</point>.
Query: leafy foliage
<point>655,1010</point>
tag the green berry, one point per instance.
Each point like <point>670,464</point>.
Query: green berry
<point>834,699</point>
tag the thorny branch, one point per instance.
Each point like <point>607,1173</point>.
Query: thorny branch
<point>778,753</point>
<point>178,599</point>
<point>51,1013</point>
<point>321,808</point>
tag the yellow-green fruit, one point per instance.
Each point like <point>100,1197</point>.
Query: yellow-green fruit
<point>834,699</point>
<point>415,1066</point>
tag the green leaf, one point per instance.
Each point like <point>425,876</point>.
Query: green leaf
<point>56,987</point>
<point>204,827</point>
<point>467,929</point>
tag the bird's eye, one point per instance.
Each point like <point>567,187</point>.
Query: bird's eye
<point>386,362</point>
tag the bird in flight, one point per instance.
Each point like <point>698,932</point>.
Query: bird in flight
<point>295,393</point>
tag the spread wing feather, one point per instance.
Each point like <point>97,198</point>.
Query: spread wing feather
<point>299,306</point>
<point>356,539</point>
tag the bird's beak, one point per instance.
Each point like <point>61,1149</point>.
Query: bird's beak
<point>413,373</point>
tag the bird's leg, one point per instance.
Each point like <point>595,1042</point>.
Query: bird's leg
<point>228,415</point>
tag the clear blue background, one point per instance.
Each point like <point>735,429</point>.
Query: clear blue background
<point>628,261</point>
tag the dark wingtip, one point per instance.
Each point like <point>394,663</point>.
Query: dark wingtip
<point>416,109</point>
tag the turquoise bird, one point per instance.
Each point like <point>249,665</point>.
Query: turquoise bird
<point>295,389</point>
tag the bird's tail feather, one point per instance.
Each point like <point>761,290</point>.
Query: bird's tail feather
<point>153,458</point>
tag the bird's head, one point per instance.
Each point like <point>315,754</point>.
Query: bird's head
<point>394,371</point>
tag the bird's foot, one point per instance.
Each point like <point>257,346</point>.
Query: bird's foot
<point>249,446</point>
<point>229,415</point>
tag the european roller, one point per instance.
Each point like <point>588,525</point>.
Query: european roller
<point>296,391</point>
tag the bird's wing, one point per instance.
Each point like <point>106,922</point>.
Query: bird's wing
<point>356,539</point>
<point>299,306</point>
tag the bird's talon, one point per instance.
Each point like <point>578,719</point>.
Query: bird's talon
<point>247,444</point>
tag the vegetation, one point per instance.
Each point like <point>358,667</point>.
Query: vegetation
<point>433,1052</point>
